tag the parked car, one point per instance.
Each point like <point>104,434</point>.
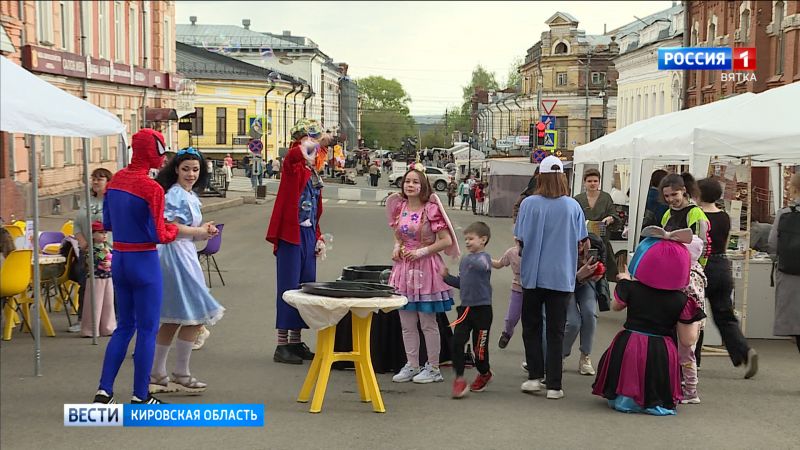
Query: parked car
<point>438,178</point>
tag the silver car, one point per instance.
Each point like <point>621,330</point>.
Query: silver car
<point>438,178</point>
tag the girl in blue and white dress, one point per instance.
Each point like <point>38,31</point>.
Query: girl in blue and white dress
<point>187,304</point>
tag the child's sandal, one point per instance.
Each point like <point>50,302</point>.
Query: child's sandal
<point>188,383</point>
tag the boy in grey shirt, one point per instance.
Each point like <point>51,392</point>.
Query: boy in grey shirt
<point>475,312</point>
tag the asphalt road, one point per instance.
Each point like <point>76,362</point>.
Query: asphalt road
<point>237,364</point>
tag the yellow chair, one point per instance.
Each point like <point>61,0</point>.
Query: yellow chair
<point>68,228</point>
<point>14,230</point>
<point>15,276</point>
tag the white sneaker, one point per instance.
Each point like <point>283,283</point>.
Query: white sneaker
<point>428,374</point>
<point>75,328</point>
<point>555,395</point>
<point>585,365</point>
<point>406,374</point>
<point>531,386</point>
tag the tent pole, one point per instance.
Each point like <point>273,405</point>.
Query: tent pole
<point>37,286</point>
<point>88,292</point>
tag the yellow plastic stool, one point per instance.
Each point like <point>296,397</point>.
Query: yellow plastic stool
<point>320,370</point>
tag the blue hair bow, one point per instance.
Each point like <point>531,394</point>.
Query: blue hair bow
<point>189,150</point>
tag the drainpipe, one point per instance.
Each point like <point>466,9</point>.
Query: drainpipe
<point>519,109</point>
<point>294,100</point>
<point>86,194</point>
<point>308,95</point>
<point>285,104</point>
<point>686,43</point>
<point>264,121</point>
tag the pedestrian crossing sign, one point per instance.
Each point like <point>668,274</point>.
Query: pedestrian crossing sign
<point>550,140</point>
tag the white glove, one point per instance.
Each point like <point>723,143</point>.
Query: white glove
<point>320,251</point>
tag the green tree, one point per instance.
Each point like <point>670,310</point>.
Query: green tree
<point>385,115</point>
<point>481,79</point>
<point>514,78</point>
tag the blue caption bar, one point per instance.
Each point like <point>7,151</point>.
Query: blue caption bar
<point>695,58</point>
<point>212,415</point>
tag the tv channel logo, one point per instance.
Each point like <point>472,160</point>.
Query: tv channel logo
<point>178,415</point>
<point>706,58</point>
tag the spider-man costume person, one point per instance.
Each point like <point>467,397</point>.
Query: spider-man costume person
<point>295,234</point>
<point>134,209</point>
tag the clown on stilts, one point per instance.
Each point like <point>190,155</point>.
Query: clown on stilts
<point>134,209</point>
<point>295,234</point>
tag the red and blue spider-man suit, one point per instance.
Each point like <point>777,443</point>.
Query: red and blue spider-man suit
<point>134,209</point>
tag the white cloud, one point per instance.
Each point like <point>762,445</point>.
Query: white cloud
<point>430,47</point>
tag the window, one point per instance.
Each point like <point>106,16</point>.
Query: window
<point>69,154</point>
<point>44,22</point>
<point>197,123</point>
<point>86,13</point>
<point>67,26</point>
<point>561,49</point>
<point>119,31</point>
<point>269,122</point>
<point>134,124</point>
<point>47,152</point>
<point>598,78</point>
<point>168,43</point>
<point>645,112</point>
<point>598,128</point>
<point>561,78</point>
<point>241,122</point>
<point>133,40</point>
<point>221,126</point>
<point>778,20</point>
<point>712,31</point>
<point>104,150</point>
<point>146,31</point>
<point>744,25</point>
<point>102,28</point>
<point>561,128</point>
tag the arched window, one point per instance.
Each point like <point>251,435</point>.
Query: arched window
<point>778,28</point>
<point>561,49</point>
<point>744,25</point>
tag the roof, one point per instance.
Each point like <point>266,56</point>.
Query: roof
<point>645,21</point>
<point>566,16</point>
<point>233,36</point>
<point>199,63</point>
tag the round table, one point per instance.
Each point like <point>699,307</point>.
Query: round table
<point>323,313</point>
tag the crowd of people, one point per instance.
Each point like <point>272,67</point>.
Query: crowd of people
<point>561,260</point>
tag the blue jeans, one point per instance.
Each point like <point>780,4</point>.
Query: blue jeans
<point>256,180</point>
<point>581,317</point>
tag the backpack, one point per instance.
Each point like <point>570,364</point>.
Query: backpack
<point>601,288</point>
<point>789,241</point>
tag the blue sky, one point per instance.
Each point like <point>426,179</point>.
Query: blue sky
<point>430,47</point>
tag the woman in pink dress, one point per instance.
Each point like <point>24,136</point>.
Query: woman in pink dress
<point>421,230</point>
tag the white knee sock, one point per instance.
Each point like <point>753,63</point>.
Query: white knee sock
<point>183,351</point>
<point>160,361</point>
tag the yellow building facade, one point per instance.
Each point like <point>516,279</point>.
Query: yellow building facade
<point>225,111</point>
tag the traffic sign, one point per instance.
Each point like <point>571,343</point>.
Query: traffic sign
<point>538,155</point>
<point>255,145</point>
<point>549,121</point>
<point>548,105</point>
<point>550,140</point>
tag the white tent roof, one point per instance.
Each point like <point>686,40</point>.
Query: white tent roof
<point>762,126</point>
<point>31,105</point>
<point>465,154</point>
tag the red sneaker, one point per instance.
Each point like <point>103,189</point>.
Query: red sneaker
<point>460,388</point>
<point>481,381</point>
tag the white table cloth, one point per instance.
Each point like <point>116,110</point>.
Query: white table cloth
<point>321,312</point>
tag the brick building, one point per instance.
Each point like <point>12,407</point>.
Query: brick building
<point>773,29</point>
<point>127,68</point>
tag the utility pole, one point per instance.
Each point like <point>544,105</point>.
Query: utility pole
<point>445,129</point>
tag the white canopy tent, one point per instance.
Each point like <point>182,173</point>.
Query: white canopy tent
<point>762,127</point>
<point>33,106</point>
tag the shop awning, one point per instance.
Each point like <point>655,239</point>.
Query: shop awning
<point>161,115</point>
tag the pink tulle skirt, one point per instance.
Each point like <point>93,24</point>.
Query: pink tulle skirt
<point>420,281</point>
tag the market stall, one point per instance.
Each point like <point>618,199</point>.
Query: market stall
<point>35,107</point>
<point>739,132</point>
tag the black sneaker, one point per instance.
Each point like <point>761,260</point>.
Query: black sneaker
<point>150,401</point>
<point>102,397</point>
<point>285,354</point>
<point>504,338</point>
<point>301,349</point>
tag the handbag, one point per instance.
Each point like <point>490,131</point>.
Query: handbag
<point>602,294</point>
